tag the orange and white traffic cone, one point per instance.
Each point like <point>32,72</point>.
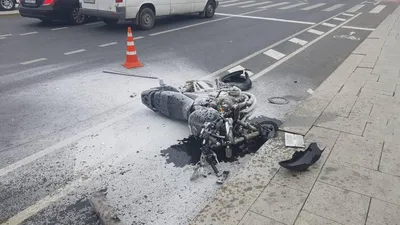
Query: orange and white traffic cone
<point>132,61</point>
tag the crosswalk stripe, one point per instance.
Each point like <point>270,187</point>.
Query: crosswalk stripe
<point>228,1</point>
<point>298,41</point>
<point>273,5</point>
<point>274,54</point>
<point>292,6</point>
<point>313,6</point>
<point>317,32</point>
<point>339,19</point>
<point>255,4</point>
<point>355,8</point>
<point>334,7</point>
<point>346,14</point>
<point>239,3</point>
<point>377,9</point>
<point>328,25</point>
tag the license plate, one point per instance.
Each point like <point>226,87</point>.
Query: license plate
<point>89,1</point>
<point>30,1</point>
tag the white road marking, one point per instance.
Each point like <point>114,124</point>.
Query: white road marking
<point>292,6</point>
<point>339,19</point>
<point>198,24</point>
<point>1,38</point>
<point>74,52</point>
<point>33,61</point>
<point>298,41</point>
<point>328,24</point>
<point>266,18</point>
<point>239,3</point>
<point>359,28</point>
<point>137,38</point>
<point>59,28</point>
<point>376,3</point>
<point>108,44</point>
<point>355,8</point>
<point>314,6</point>
<point>239,67</point>
<point>347,14</point>
<point>317,32</point>
<point>228,1</point>
<point>215,73</point>
<point>29,33</point>
<point>189,26</point>
<point>334,7</point>
<point>255,4</point>
<point>5,35</point>
<point>273,5</point>
<point>266,70</point>
<point>377,9</point>
<point>274,54</point>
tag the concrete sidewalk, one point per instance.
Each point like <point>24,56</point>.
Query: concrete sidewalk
<point>355,114</point>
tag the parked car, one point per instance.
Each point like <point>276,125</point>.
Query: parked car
<point>49,10</point>
<point>8,5</point>
<point>144,12</point>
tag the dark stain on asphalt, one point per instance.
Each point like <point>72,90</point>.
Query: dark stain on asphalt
<point>187,151</point>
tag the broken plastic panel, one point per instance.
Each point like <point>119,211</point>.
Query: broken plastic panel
<point>301,160</point>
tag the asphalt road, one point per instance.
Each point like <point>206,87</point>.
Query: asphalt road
<point>67,129</point>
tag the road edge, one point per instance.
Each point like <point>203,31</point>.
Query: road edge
<point>235,198</point>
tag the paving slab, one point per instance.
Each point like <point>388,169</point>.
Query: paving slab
<point>341,105</point>
<point>381,86</point>
<point>280,203</point>
<point>252,218</point>
<point>338,204</point>
<point>306,218</point>
<point>390,161</point>
<point>354,124</point>
<point>361,180</point>
<point>356,150</point>
<point>382,212</point>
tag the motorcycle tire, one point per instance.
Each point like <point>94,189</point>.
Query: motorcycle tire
<point>236,79</point>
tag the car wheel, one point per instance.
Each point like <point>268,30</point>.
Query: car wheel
<point>146,19</point>
<point>110,22</point>
<point>209,10</point>
<point>77,17</point>
<point>7,5</point>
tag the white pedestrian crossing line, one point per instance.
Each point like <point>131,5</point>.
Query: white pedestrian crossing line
<point>273,5</point>
<point>274,54</point>
<point>298,41</point>
<point>239,3</point>
<point>292,6</point>
<point>238,68</point>
<point>339,19</point>
<point>347,14</point>
<point>328,24</point>
<point>355,8</point>
<point>377,9</point>
<point>317,32</point>
<point>228,1</point>
<point>255,4</point>
<point>33,61</point>
<point>334,7</point>
<point>314,6</point>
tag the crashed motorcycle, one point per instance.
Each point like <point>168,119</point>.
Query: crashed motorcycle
<point>217,114</point>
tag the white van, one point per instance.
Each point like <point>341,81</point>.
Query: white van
<point>144,12</point>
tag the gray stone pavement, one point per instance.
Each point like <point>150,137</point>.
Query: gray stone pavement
<point>357,179</point>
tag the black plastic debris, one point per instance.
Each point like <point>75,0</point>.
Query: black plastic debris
<point>301,160</point>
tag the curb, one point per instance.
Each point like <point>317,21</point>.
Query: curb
<point>7,13</point>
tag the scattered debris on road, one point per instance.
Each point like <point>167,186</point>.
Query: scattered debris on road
<point>278,100</point>
<point>301,160</point>
<point>128,74</point>
<point>294,140</point>
<point>107,214</point>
